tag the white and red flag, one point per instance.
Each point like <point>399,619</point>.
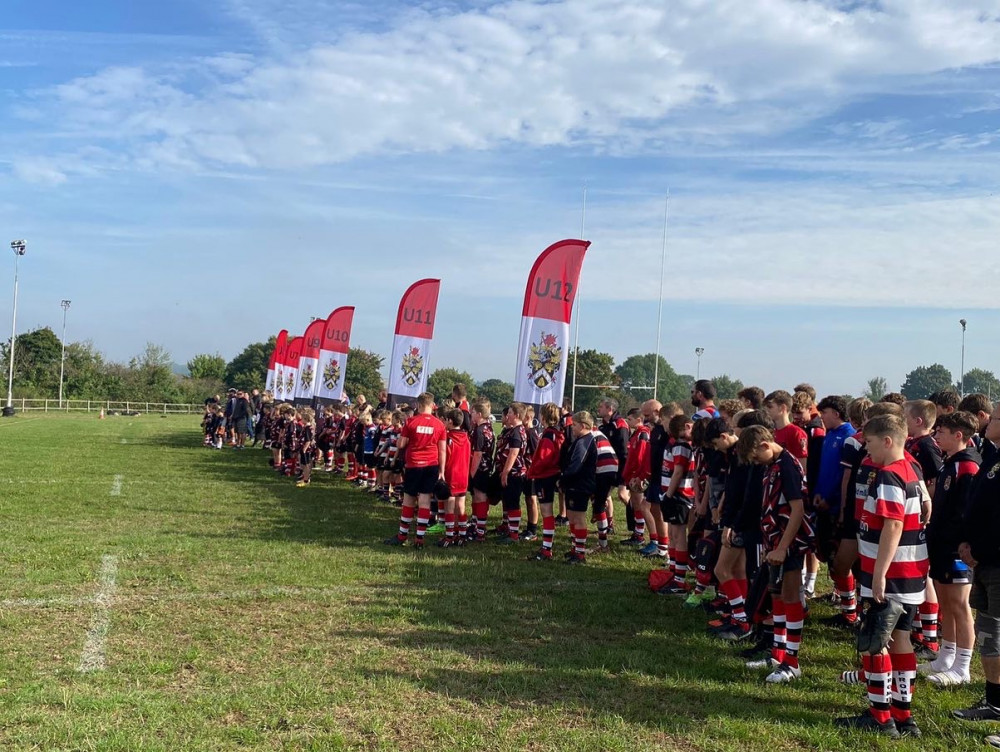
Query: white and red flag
<point>333,354</point>
<point>409,364</point>
<point>277,355</point>
<point>305,384</point>
<point>543,349</point>
<point>292,368</point>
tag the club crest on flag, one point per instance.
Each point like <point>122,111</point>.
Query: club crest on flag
<point>307,376</point>
<point>331,374</point>
<point>279,382</point>
<point>544,361</point>
<point>290,383</point>
<point>412,366</point>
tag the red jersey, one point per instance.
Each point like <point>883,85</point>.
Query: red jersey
<point>682,462</point>
<point>637,462</point>
<point>545,461</point>
<point>456,466</point>
<point>895,495</point>
<point>423,433</point>
<point>793,440</point>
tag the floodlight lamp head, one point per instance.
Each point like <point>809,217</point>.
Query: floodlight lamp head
<point>18,246</point>
<point>963,322</point>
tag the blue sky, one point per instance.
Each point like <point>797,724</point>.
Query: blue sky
<point>201,175</point>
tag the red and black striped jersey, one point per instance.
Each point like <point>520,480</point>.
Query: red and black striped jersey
<point>895,495</point>
<point>511,438</point>
<point>483,440</point>
<point>607,459</point>
<point>784,482</point>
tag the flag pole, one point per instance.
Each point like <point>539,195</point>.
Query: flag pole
<point>659,313</point>
<point>576,345</point>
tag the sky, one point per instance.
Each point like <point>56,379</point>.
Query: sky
<point>201,175</point>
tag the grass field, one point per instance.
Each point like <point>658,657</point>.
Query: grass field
<point>212,605</point>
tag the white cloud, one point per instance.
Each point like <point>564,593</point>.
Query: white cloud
<point>38,170</point>
<point>612,75</point>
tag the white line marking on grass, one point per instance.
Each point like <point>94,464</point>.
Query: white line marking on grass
<point>116,486</point>
<point>94,654</point>
<point>19,422</point>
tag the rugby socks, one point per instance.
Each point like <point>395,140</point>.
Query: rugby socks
<point>662,549</point>
<point>514,523</point>
<point>463,525</point>
<point>602,529</point>
<point>878,675</point>
<point>737,603</point>
<point>963,659</point>
<point>945,657</point>
<point>580,540</point>
<point>928,613</point>
<point>449,526</point>
<point>681,564</point>
<point>904,674</point>
<point>640,528</point>
<point>810,582</point>
<point>548,532</point>
<point>423,517</point>
<point>405,518</point>
<point>480,512</point>
<point>794,616</point>
<point>778,643</point>
<point>848,597</point>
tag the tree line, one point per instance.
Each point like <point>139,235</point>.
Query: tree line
<point>150,376</point>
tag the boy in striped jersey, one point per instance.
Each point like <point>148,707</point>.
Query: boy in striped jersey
<point>677,502</point>
<point>894,564</point>
<point>788,536</point>
<point>606,480</point>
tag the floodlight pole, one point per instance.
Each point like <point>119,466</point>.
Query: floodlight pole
<point>961,376</point>
<point>18,247</point>
<point>699,351</point>
<point>62,362</point>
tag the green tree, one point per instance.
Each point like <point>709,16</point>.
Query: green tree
<point>637,371</point>
<point>727,387</point>
<point>980,381</point>
<point>86,376</point>
<point>364,374</point>
<point>925,380</point>
<point>443,380</point>
<point>500,393</point>
<point>36,364</point>
<point>248,370</point>
<point>877,387</point>
<point>205,366</point>
<point>150,378</point>
<point>594,368</point>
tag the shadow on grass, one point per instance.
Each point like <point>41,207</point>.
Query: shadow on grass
<point>483,624</point>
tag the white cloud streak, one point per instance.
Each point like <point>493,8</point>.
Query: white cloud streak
<point>608,75</point>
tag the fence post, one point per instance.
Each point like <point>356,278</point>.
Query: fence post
<point>46,407</point>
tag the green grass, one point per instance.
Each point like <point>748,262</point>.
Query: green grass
<point>251,614</point>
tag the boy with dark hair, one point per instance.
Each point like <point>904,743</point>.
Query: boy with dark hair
<point>459,395</point>
<point>786,434</point>
<point>945,401</point>
<point>788,537</point>
<point>893,573</point>
<point>980,550</point>
<point>608,476</point>
<point>635,476</point>
<point>544,473</point>
<point>752,396</point>
<point>981,407</point>
<point>510,468</point>
<point>481,467</point>
<point>424,441</point>
<point>894,397</point>
<point>456,475</point>
<point>828,492</point>
<point>616,429</point>
<point>805,417</point>
<point>578,480</point>
<point>533,434</point>
<point>677,501</point>
<point>952,577</point>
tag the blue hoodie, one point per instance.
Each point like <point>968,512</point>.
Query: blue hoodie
<point>830,470</point>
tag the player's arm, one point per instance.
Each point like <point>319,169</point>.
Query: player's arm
<point>846,497</point>
<point>795,517</point>
<point>511,459</point>
<point>442,457</point>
